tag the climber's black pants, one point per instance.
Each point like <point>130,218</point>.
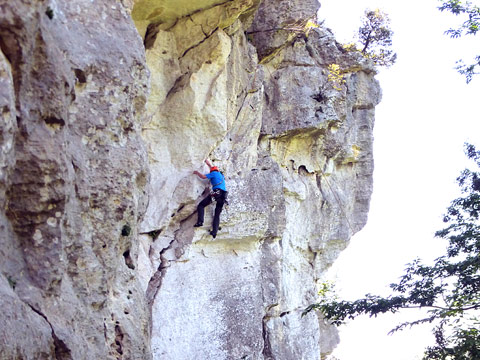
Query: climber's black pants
<point>220,200</point>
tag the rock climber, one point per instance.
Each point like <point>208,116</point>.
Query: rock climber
<point>218,193</point>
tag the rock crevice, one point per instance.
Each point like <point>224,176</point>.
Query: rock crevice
<point>62,352</point>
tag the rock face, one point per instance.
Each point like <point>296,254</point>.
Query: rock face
<point>74,168</point>
<point>107,108</point>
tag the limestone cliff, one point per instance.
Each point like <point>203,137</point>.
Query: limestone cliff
<point>107,107</point>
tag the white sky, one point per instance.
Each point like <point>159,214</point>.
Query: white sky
<point>427,113</point>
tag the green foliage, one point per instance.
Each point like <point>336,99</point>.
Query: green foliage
<point>471,12</point>
<point>335,76</point>
<point>449,288</point>
<point>375,37</point>
<point>470,15</point>
<point>462,344</point>
<point>326,294</point>
<point>327,290</point>
<point>303,26</point>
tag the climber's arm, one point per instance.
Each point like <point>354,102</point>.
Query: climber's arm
<point>208,164</point>
<point>200,175</point>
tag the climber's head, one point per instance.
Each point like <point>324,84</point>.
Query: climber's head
<point>213,168</point>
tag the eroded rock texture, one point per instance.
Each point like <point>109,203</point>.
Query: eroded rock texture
<point>107,108</point>
<point>73,175</point>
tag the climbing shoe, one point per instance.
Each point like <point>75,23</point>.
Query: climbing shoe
<point>213,234</point>
<point>198,224</point>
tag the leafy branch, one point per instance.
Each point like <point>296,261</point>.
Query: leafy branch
<point>470,26</point>
<point>449,288</point>
<point>375,36</point>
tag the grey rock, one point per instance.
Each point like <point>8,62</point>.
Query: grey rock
<point>77,179</point>
<point>107,109</point>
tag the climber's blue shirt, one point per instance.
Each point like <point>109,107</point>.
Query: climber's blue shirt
<point>217,180</point>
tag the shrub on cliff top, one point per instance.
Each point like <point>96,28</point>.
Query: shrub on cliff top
<point>375,36</point>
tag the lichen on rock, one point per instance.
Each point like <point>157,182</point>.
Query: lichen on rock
<point>107,108</point>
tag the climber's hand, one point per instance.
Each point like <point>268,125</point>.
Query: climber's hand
<point>200,175</point>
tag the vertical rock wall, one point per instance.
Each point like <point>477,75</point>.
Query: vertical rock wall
<point>247,85</point>
<point>100,134</point>
<point>74,169</point>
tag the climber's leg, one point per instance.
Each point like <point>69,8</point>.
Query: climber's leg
<point>216,218</point>
<point>201,211</point>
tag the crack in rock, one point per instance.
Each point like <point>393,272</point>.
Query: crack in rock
<point>155,282</point>
<point>118,340</point>
<point>62,352</point>
<point>182,238</point>
<point>267,348</point>
<point>199,43</point>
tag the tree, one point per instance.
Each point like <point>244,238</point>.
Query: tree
<point>375,37</point>
<point>449,288</point>
<point>470,14</point>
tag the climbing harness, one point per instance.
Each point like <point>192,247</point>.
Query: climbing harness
<point>217,193</point>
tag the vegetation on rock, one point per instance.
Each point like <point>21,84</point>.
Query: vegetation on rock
<point>375,38</point>
<point>470,26</point>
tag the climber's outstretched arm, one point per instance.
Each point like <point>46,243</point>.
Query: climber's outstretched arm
<point>208,164</point>
<point>200,175</point>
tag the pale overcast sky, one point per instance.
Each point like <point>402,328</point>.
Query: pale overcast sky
<point>427,113</point>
